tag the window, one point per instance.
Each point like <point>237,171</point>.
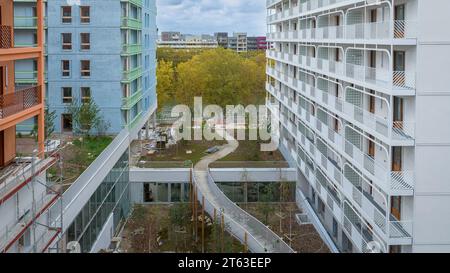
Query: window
<point>85,94</point>
<point>66,41</point>
<point>65,68</point>
<point>66,14</point>
<point>85,41</point>
<point>85,68</point>
<point>85,14</point>
<point>67,95</point>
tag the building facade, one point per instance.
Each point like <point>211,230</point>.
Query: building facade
<point>256,43</point>
<point>26,224</point>
<point>193,44</point>
<point>363,98</point>
<point>238,42</point>
<point>102,51</point>
<point>171,36</point>
<point>222,39</point>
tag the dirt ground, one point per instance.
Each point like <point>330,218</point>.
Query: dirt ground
<point>305,238</point>
<point>26,146</point>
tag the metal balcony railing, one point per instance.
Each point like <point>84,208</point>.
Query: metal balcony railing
<point>388,180</point>
<point>13,103</point>
<point>6,37</point>
<point>374,76</point>
<point>239,222</point>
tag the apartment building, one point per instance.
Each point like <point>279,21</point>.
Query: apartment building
<point>222,39</point>
<point>256,43</point>
<point>238,42</point>
<point>193,44</point>
<point>26,223</point>
<point>101,51</point>
<point>363,96</point>
<point>171,36</point>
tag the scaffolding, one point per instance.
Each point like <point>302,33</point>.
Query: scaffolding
<point>37,226</point>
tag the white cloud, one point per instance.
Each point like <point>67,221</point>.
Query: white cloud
<point>209,16</point>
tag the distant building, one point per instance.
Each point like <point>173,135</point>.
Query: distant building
<point>222,39</point>
<point>167,36</point>
<point>191,44</point>
<point>238,42</point>
<point>256,43</point>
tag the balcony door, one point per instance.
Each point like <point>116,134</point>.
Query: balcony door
<point>399,68</point>
<point>398,113</point>
<point>396,159</point>
<point>372,102</point>
<point>399,17</point>
<point>373,15</point>
<point>396,207</point>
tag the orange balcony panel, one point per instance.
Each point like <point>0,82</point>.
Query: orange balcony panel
<point>6,37</point>
<point>13,103</point>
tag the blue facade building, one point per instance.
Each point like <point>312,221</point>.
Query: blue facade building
<point>100,50</point>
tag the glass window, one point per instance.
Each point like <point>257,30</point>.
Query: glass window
<point>66,14</point>
<point>85,14</point>
<point>66,41</point>
<point>65,68</point>
<point>85,94</point>
<point>175,192</point>
<point>85,68</point>
<point>163,192</point>
<point>67,95</point>
<point>85,39</point>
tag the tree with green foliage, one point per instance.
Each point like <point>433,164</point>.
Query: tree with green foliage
<point>49,121</point>
<point>166,82</point>
<point>221,77</point>
<point>86,117</point>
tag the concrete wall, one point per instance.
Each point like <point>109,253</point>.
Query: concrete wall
<point>432,152</point>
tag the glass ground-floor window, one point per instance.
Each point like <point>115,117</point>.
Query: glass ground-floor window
<point>165,192</point>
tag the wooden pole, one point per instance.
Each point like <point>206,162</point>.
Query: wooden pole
<point>215,230</point>
<point>195,215</point>
<point>203,224</point>
<point>222,224</point>
<point>245,243</point>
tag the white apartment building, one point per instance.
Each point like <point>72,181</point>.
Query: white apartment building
<point>238,42</point>
<point>362,87</point>
<point>191,44</point>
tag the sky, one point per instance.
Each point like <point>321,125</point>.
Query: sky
<point>209,16</point>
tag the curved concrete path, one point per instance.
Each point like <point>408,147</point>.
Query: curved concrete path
<point>266,238</point>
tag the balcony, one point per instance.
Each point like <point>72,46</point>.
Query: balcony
<point>131,74</point>
<point>6,37</point>
<point>309,159</point>
<point>26,77</point>
<point>25,22</point>
<point>131,23</point>
<point>370,122</point>
<point>393,183</point>
<point>131,49</point>
<point>14,103</point>
<point>134,2</point>
<point>402,82</point>
<point>129,102</point>
<point>379,32</point>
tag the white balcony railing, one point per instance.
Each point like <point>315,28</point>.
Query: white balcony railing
<point>399,80</point>
<point>378,171</point>
<point>386,30</point>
